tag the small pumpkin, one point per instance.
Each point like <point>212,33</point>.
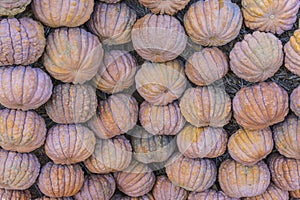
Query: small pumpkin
<point>13,7</point>
<point>136,180</point>
<point>19,170</point>
<point>235,182</point>
<point>254,107</point>
<point>295,193</point>
<point>295,101</point>
<point>112,23</point>
<point>272,192</point>
<point>115,115</point>
<point>72,103</point>
<point>60,180</point>
<point>249,147</point>
<point>110,155</point>
<point>69,144</point>
<point>59,13</point>
<point>191,174</point>
<point>202,17</point>
<point>97,187</point>
<point>202,142</point>
<point>165,190</point>
<point>148,33</point>
<point>22,41</point>
<point>72,55</point>
<point>206,106</point>
<point>161,83</point>
<point>256,58</point>
<point>169,7</point>
<point>292,53</point>
<point>209,195</point>
<point>116,72</point>
<point>15,194</point>
<point>271,16</point>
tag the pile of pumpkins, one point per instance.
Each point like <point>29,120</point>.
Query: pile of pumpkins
<point>108,147</point>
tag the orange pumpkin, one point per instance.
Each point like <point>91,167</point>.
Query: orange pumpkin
<point>295,193</point>
<point>295,101</point>
<point>292,53</point>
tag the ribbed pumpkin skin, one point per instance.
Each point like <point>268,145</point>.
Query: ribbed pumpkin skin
<point>165,190</point>
<point>24,88</point>
<point>169,7</point>
<point>295,193</point>
<point>234,182</point>
<point>58,13</point>
<point>295,101</point>
<point>191,174</point>
<point>206,66</point>
<point>254,107</point>
<point>19,170</point>
<point>148,196</point>
<point>256,58</point>
<point>287,137</point>
<point>206,142</point>
<point>161,83</point>
<point>69,144</point>
<point>136,180</point>
<point>97,187</point>
<point>22,41</point>
<point>161,120</point>
<point>72,55</point>
<point>72,103</point>
<point>110,1</point>
<point>110,155</point>
<point>285,172</point>
<point>206,106</point>
<point>116,72</point>
<point>275,16</point>
<point>115,116</point>
<point>249,147</point>
<point>272,192</point>
<point>148,148</point>
<point>209,195</point>
<point>53,198</point>
<point>112,23</point>
<point>148,33</point>
<point>292,53</point>
<point>15,194</point>
<point>13,7</point>
<point>60,180</point>
<point>201,18</point>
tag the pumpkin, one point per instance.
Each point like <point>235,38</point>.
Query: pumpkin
<point>13,7</point>
<point>110,155</point>
<point>161,120</point>
<point>295,193</point>
<point>72,103</point>
<point>148,33</point>
<point>136,180</point>
<point>209,195</point>
<point>52,198</point>
<point>272,192</point>
<point>165,190</point>
<point>260,106</point>
<point>161,83</point>
<point>21,131</point>
<point>15,194</point>
<point>19,170</point>
<point>110,1</point>
<point>97,187</point>
<point>72,55</point>
<point>169,7</point>
<point>67,13</point>
<point>206,106</point>
<point>206,66</point>
<point>286,136</point>
<point>148,196</point>
<point>238,180</point>
<point>148,148</point>
<point>213,23</point>
<point>24,88</point>
<point>271,16</point>
<point>295,101</point>
<point>249,147</point>
<point>191,174</point>
<point>285,172</point>
<point>22,41</point>
<point>292,53</point>
<point>116,72</point>
<point>115,116</point>
<point>257,57</point>
<point>112,23</point>
<point>202,142</point>
<point>60,180</point>
<point>69,144</point>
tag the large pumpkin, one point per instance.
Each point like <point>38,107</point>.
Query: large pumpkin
<point>295,101</point>
<point>292,53</point>
<point>169,7</point>
<point>209,195</point>
<point>15,194</point>
<point>272,192</point>
<point>13,7</point>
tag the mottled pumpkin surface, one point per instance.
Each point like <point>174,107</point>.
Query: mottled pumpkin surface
<point>292,53</point>
<point>210,195</point>
<point>15,194</point>
<point>13,7</point>
<point>272,192</point>
<point>169,7</point>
